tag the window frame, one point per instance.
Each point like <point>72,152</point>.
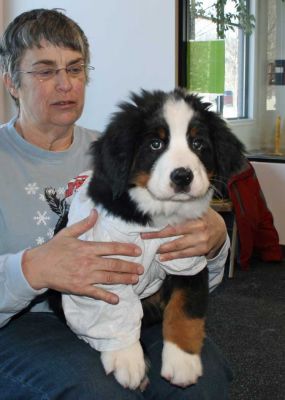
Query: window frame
<point>183,35</point>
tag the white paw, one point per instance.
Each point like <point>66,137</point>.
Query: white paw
<point>178,367</point>
<point>128,365</point>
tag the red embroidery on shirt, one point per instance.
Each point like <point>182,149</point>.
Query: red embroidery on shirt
<point>75,184</point>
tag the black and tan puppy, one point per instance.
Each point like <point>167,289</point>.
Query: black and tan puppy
<point>155,165</point>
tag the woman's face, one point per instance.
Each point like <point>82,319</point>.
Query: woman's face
<point>57,101</point>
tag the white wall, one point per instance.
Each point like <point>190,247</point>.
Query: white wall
<point>132,45</point>
<point>271,177</point>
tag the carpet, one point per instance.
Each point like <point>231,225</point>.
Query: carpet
<point>246,318</point>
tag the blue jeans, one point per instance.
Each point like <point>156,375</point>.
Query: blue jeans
<point>41,359</point>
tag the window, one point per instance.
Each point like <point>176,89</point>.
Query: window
<point>214,52</point>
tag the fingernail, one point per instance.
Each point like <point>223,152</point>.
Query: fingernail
<point>135,278</point>
<point>137,251</point>
<point>114,300</point>
<point>140,270</point>
<point>92,212</point>
<point>163,248</point>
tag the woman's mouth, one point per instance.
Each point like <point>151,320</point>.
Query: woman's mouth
<point>64,104</point>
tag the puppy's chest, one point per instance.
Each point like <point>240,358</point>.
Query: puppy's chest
<point>110,229</point>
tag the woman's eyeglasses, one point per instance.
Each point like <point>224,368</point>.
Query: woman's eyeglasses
<point>46,73</point>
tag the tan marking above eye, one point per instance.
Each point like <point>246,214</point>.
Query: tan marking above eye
<point>162,133</point>
<point>193,132</point>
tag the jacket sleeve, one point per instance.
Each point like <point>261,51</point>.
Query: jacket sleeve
<point>216,266</point>
<point>15,292</point>
<point>192,266</point>
<point>105,327</point>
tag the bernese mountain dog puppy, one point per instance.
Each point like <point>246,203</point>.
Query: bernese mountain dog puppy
<point>160,159</point>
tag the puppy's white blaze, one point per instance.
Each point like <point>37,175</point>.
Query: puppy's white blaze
<point>179,367</point>
<point>128,365</point>
<point>177,115</point>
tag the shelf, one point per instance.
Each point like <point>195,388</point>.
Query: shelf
<point>265,156</point>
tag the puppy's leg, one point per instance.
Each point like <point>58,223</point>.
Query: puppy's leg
<point>128,365</point>
<point>184,328</point>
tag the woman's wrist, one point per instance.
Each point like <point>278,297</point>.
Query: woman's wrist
<point>30,272</point>
<point>218,233</point>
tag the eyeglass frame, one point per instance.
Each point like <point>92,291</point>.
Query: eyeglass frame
<point>55,71</point>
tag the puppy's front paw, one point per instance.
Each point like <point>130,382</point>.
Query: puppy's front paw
<point>128,365</point>
<point>178,367</point>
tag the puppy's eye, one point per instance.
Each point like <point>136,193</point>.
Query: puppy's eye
<point>197,144</point>
<point>156,144</point>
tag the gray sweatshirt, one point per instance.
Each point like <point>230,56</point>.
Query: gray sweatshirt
<point>26,219</point>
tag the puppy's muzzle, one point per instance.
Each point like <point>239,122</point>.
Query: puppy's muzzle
<point>181,179</point>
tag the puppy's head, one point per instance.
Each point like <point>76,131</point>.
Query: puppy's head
<point>168,144</point>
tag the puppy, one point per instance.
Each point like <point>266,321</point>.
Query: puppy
<point>155,165</point>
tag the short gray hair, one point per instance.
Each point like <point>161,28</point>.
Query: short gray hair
<point>31,27</point>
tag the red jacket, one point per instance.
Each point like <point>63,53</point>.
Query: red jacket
<point>254,220</point>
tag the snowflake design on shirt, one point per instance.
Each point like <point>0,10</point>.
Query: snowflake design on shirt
<point>41,218</point>
<point>50,233</point>
<point>42,197</point>
<point>32,188</point>
<point>40,240</point>
<point>61,191</point>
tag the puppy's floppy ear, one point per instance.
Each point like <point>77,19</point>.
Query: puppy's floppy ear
<point>229,153</point>
<point>229,150</point>
<point>113,153</point>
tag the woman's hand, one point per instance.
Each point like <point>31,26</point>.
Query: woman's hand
<point>70,265</point>
<point>203,236</point>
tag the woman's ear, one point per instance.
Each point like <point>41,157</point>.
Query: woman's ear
<point>8,82</point>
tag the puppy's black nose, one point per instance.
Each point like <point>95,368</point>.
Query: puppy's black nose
<point>181,177</point>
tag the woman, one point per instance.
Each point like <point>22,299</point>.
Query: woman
<point>45,63</point>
